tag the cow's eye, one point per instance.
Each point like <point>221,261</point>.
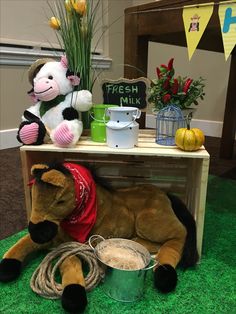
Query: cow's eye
<point>50,77</point>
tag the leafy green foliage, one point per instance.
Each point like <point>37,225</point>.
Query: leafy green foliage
<point>179,91</point>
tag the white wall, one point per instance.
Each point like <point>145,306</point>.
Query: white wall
<point>212,66</point>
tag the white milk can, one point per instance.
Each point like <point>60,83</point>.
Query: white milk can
<point>122,129</point>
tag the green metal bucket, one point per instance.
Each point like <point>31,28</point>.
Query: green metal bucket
<point>98,125</point>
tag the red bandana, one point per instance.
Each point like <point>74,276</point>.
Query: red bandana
<point>80,222</point>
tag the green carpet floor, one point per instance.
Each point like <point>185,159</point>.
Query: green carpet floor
<point>210,288</point>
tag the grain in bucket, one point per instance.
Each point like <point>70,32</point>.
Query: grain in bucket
<point>126,264</point>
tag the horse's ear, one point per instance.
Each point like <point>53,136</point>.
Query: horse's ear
<point>54,177</point>
<point>38,169</point>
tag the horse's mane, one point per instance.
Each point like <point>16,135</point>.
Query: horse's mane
<point>98,179</point>
<point>60,167</point>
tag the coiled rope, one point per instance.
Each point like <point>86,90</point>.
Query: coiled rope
<point>43,279</point>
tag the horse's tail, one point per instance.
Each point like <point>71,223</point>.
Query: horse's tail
<point>190,254</point>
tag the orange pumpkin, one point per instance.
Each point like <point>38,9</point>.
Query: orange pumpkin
<point>189,139</point>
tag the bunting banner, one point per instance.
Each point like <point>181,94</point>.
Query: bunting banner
<point>195,20</point>
<point>227,16</point>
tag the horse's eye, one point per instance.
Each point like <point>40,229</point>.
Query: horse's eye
<point>60,202</point>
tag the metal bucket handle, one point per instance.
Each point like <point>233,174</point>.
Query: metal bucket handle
<point>123,127</point>
<point>91,113</point>
<point>152,266</point>
<point>135,116</point>
<point>93,238</point>
<point>138,114</point>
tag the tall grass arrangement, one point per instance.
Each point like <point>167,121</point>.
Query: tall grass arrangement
<point>74,23</point>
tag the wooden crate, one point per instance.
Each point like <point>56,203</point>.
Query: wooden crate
<point>184,173</point>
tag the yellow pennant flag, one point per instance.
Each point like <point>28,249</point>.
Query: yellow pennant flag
<point>227,16</point>
<point>195,20</point>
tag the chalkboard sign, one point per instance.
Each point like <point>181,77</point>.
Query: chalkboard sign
<point>125,92</point>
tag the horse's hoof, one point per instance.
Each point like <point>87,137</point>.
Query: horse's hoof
<point>74,298</point>
<point>165,278</point>
<point>10,269</point>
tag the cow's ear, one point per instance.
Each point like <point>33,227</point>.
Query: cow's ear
<point>64,62</point>
<point>73,77</point>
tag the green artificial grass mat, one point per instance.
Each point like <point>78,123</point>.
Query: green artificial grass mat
<point>210,288</point>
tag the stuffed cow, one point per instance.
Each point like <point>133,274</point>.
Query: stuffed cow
<point>68,204</point>
<point>55,113</point>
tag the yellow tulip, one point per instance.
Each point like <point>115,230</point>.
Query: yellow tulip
<point>68,5</point>
<point>54,23</point>
<point>79,6</point>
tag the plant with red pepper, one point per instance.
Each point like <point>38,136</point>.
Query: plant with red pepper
<point>179,91</point>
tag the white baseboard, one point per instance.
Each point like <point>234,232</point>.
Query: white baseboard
<point>210,128</point>
<point>8,139</point>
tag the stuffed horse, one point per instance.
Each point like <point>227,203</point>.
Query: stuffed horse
<point>68,203</point>
<point>55,112</point>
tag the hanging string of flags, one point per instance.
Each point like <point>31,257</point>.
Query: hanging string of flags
<point>196,19</point>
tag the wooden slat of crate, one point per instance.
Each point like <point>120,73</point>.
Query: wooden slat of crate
<point>197,195</point>
<point>168,173</point>
<point>139,170</point>
<point>146,147</point>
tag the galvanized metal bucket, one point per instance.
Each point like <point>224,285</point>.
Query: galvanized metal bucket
<point>125,285</point>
